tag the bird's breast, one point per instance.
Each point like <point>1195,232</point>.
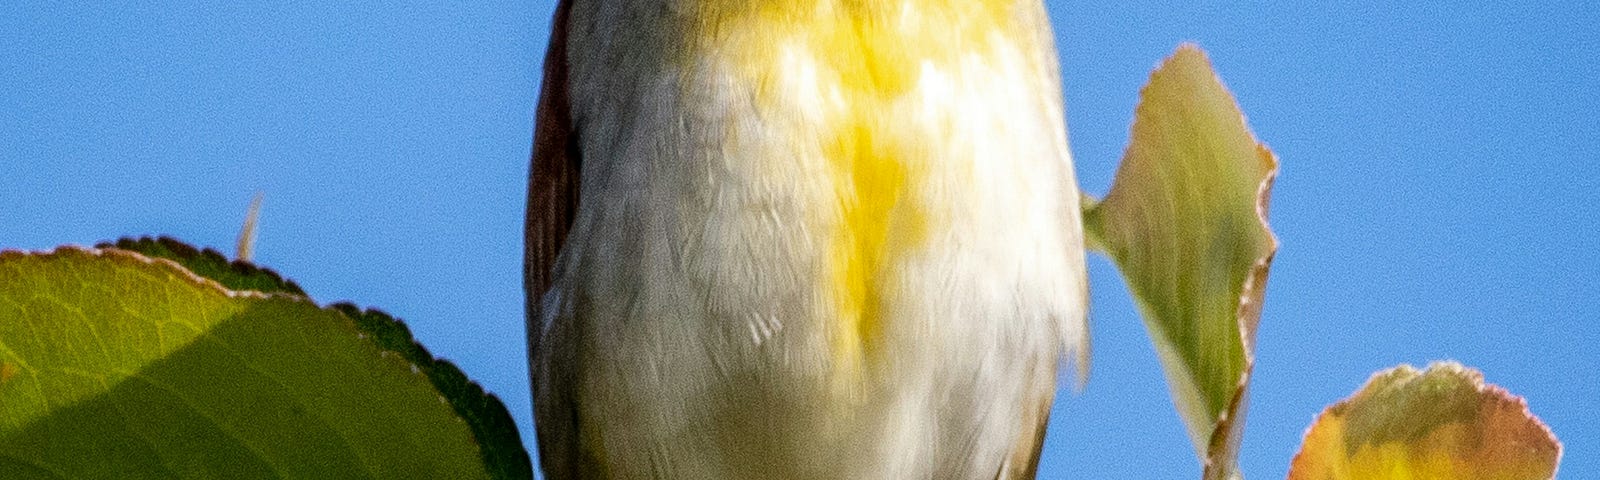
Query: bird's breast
<point>890,110</point>
<point>817,164</point>
<point>829,221</point>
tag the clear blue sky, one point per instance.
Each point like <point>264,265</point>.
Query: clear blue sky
<point>1439,196</point>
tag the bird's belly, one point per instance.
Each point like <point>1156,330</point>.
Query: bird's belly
<point>777,272</point>
<point>749,313</point>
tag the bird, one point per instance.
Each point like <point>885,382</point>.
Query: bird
<point>800,239</point>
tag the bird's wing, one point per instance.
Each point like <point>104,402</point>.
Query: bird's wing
<point>553,175</point>
<point>552,206</point>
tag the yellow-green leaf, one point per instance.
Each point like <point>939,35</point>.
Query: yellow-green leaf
<point>240,275</point>
<point>114,364</point>
<point>1444,423</point>
<point>1185,221</point>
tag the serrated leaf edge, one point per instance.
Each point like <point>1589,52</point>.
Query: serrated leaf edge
<point>190,253</point>
<point>183,272</point>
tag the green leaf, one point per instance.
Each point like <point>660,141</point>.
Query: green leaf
<point>117,365</point>
<point>1185,221</point>
<point>1440,424</point>
<point>491,423</point>
<point>235,275</point>
<point>492,426</point>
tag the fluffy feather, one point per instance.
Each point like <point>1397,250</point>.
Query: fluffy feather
<point>831,239</point>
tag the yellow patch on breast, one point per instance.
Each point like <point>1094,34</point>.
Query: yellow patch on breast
<point>878,222</point>
<point>867,56</point>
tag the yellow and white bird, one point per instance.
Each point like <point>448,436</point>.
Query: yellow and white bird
<point>800,239</point>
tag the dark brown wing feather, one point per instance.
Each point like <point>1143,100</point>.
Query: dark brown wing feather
<point>553,175</point>
<point>552,206</point>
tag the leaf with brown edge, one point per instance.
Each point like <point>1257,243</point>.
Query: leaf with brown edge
<point>1442,423</point>
<point>1185,221</point>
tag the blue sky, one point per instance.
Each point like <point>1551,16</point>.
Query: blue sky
<point>1439,195</point>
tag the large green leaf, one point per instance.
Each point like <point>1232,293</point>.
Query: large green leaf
<point>491,424</point>
<point>1440,424</point>
<point>117,365</point>
<point>1185,221</point>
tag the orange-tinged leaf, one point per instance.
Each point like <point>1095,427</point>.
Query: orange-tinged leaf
<point>1439,424</point>
<point>1186,224</point>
